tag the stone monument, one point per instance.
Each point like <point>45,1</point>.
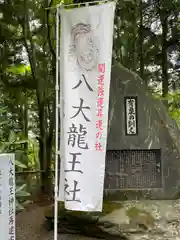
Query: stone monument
<point>143,147</point>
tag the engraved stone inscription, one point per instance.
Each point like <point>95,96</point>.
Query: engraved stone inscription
<point>133,169</point>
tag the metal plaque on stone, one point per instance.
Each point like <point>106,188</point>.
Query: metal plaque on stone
<point>133,169</point>
<point>131,120</point>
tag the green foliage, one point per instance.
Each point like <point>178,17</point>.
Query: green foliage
<point>19,69</point>
<point>174,104</point>
<point>13,144</point>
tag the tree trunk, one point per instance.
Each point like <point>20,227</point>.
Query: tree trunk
<point>165,78</point>
<point>135,29</point>
<point>45,156</point>
<point>26,124</point>
<point>41,82</point>
<point>23,121</point>
<point>141,44</point>
<point>45,150</point>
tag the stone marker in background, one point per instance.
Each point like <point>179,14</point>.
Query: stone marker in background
<point>143,149</point>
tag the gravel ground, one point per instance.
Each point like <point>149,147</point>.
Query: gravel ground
<point>29,226</point>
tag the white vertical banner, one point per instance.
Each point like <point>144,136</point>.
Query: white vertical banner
<point>7,197</point>
<point>86,43</point>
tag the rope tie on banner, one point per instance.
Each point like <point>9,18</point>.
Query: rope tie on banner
<point>61,5</point>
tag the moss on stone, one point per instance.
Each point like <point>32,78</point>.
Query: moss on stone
<point>109,207</point>
<point>140,217</point>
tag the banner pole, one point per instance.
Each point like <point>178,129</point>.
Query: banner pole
<point>57,129</point>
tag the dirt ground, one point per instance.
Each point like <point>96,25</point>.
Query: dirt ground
<point>29,226</point>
